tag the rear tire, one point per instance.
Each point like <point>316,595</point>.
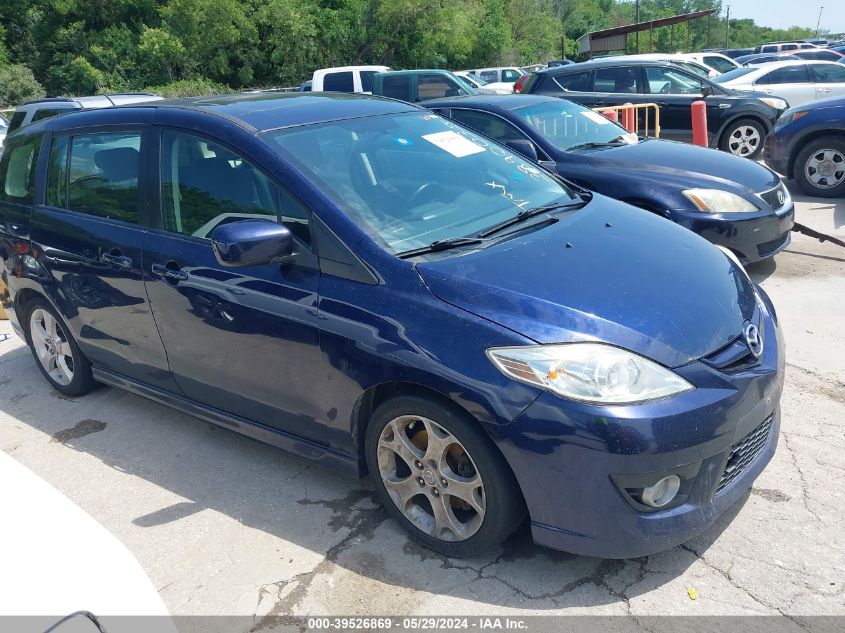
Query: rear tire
<point>743,138</point>
<point>55,350</point>
<point>820,167</point>
<point>439,476</point>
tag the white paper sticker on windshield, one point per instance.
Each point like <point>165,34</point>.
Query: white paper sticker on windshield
<point>452,142</point>
<point>595,117</point>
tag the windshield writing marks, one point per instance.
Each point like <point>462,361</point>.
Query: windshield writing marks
<point>503,191</point>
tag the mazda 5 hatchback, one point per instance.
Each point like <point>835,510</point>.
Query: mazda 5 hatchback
<point>369,285</point>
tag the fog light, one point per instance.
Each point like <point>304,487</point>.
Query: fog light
<point>659,494</point>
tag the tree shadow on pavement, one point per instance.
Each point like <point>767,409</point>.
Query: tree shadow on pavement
<point>296,501</point>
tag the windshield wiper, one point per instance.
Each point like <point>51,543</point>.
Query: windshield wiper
<point>441,245</point>
<point>525,214</point>
<point>595,145</point>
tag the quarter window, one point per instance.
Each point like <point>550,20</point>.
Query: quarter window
<point>17,171</point>
<point>205,185</point>
<point>367,80</point>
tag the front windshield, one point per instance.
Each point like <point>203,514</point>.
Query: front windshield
<point>734,74</point>
<point>415,178</point>
<point>570,126</point>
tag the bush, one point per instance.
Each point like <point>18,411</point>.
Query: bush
<point>18,84</point>
<point>199,87</point>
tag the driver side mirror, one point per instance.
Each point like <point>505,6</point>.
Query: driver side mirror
<point>706,90</point>
<point>524,147</point>
<point>251,243</point>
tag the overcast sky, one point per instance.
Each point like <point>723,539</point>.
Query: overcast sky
<point>784,13</point>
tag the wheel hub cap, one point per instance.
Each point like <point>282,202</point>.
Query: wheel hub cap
<point>431,478</point>
<point>51,346</point>
<point>825,168</point>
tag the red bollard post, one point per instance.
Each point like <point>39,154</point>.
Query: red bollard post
<point>699,124</point>
<point>629,117</point>
<point>611,114</point>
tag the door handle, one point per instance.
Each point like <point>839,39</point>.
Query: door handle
<point>825,90</point>
<point>116,259</point>
<point>170,271</point>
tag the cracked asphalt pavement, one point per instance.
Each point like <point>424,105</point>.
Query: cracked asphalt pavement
<point>225,525</point>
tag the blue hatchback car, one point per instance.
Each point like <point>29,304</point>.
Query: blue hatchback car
<point>360,282</point>
<point>731,201</point>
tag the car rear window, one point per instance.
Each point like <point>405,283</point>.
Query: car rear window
<point>339,82</point>
<point>17,170</point>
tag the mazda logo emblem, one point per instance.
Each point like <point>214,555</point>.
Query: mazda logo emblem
<point>753,339</point>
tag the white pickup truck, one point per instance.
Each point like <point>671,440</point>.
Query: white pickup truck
<point>345,78</point>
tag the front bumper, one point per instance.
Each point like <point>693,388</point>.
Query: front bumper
<point>776,153</point>
<point>753,238</point>
<point>568,458</point>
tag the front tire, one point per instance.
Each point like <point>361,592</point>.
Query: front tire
<point>439,476</point>
<point>55,350</point>
<point>820,168</point>
<point>743,138</point>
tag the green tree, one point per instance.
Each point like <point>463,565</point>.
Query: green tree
<point>18,84</point>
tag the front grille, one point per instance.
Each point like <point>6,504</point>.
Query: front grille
<point>771,197</point>
<point>744,452</point>
<point>766,249</point>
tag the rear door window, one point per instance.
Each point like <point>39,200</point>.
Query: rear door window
<point>96,174</point>
<point>618,80</point>
<point>17,170</point>
<point>574,82</point>
<point>510,75</point>
<point>339,82</point>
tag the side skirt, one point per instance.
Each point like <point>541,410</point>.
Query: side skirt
<point>340,462</point>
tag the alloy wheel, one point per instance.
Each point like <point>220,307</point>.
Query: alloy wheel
<point>430,476</point>
<point>825,168</point>
<point>744,140</point>
<point>51,346</point>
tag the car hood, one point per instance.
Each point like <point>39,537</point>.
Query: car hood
<point>608,272</point>
<point>686,166</point>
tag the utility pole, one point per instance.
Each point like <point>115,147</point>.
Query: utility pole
<point>637,21</point>
<point>818,24</point>
<point>727,26</point>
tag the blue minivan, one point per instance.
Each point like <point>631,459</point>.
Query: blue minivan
<point>366,284</point>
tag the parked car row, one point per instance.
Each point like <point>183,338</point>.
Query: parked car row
<point>375,286</point>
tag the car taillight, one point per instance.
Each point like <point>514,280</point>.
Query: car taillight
<point>517,87</point>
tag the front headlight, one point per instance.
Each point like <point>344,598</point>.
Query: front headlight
<point>718,201</point>
<point>589,372</point>
<point>778,104</point>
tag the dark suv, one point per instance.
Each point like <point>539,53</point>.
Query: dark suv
<point>736,121</point>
